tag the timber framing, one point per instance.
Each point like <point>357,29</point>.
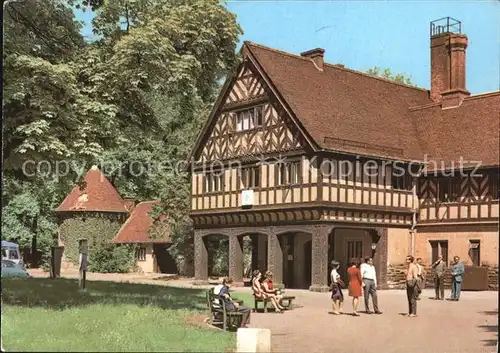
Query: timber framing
<point>312,197</point>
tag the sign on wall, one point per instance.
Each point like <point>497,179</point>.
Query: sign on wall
<point>247,198</point>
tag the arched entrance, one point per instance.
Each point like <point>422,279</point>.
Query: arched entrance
<point>218,255</point>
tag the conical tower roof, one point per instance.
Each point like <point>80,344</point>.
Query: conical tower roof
<point>98,194</point>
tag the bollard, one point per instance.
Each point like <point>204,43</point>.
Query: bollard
<point>252,340</point>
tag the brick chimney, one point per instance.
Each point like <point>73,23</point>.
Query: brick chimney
<point>317,57</point>
<point>448,47</point>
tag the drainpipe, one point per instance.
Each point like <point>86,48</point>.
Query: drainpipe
<point>415,210</point>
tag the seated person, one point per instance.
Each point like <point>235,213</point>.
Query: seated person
<point>269,286</point>
<point>231,305</point>
<point>217,290</point>
<point>259,292</point>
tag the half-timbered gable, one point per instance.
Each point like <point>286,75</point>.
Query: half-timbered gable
<point>249,123</point>
<point>459,199</point>
<point>247,86</point>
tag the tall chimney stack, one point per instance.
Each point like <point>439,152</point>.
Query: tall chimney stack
<point>317,57</point>
<point>448,47</point>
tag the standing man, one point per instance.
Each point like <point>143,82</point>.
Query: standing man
<point>370,288</point>
<point>421,277</point>
<point>457,275</point>
<point>411,285</point>
<point>438,269</point>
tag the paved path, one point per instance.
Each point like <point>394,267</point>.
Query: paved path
<point>467,326</point>
<point>470,325</point>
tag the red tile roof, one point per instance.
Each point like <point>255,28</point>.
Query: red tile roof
<point>136,228</point>
<point>470,131</point>
<point>345,110</point>
<point>348,111</point>
<point>98,194</point>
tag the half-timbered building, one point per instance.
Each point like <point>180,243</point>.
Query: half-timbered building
<point>317,162</point>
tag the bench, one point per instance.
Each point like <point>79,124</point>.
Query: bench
<point>219,315</point>
<point>286,302</point>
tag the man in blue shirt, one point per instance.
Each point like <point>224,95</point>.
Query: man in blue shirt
<point>231,305</point>
<point>457,275</point>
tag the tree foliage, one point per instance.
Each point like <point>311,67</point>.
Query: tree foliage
<point>388,74</point>
<point>131,102</point>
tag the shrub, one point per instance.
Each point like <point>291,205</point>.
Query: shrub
<point>110,258</point>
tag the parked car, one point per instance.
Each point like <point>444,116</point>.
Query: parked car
<point>10,251</point>
<point>11,269</point>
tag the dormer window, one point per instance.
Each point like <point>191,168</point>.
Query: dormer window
<point>249,119</point>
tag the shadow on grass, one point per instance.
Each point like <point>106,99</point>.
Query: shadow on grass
<point>64,293</point>
<point>490,328</point>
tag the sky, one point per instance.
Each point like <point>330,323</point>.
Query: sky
<point>364,34</point>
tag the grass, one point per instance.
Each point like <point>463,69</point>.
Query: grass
<point>53,315</point>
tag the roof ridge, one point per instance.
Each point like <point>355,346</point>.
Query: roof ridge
<point>149,201</point>
<point>335,66</point>
<point>482,95</point>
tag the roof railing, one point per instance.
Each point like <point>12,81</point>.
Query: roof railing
<point>445,25</point>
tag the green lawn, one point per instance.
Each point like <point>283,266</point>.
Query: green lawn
<point>53,315</point>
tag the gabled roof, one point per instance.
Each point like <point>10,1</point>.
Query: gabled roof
<point>470,131</point>
<point>136,228</point>
<point>98,194</point>
<point>345,110</point>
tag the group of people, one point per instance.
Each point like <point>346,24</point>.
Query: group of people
<point>263,288</point>
<point>361,279</point>
<point>415,280</point>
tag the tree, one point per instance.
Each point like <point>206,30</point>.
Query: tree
<point>133,98</point>
<point>160,61</point>
<point>387,73</point>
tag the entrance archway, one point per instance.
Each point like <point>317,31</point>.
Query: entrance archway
<point>218,255</point>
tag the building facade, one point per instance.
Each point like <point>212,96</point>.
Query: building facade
<point>151,253</point>
<point>317,162</point>
<point>96,211</point>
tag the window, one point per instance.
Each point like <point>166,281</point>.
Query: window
<point>249,119</point>
<point>474,252</point>
<point>439,248</point>
<point>288,173</point>
<point>401,179</point>
<point>214,181</point>
<point>449,189</point>
<point>250,177</point>
<point>140,254</point>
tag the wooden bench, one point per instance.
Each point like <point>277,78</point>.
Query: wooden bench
<point>287,299</point>
<point>219,314</point>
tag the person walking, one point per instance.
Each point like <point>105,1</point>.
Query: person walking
<point>355,284</point>
<point>438,269</point>
<point>336,288</point>
<point>369,276</point>
<point>421,277</point>
<point>411,285</point>
<point>457,275</point>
